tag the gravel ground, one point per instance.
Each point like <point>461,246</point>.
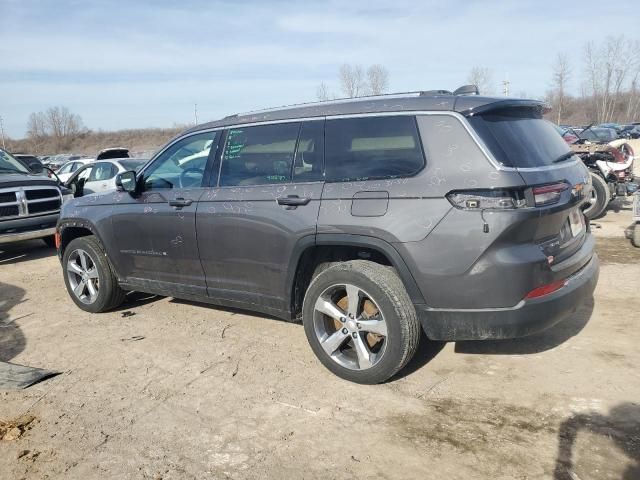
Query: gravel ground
<point>167,389</point>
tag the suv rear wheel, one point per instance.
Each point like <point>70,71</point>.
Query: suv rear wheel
<point>88,276</point>
<point>360,321</point>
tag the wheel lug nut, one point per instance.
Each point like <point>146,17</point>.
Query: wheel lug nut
<point>359,326</point>
<point>343,319</point>
<point>344,330</point>
<point>354,335</point>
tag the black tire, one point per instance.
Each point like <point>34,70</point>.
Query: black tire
<point>635,235</point>
<point>385,288</point>
<point>50,241</point>
<point>602,197</point>
<point>109,295</point>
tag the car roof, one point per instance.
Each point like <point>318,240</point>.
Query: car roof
<point>411,101</point>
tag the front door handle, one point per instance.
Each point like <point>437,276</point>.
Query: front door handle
<point>293,201</point>
<point>180,202</point>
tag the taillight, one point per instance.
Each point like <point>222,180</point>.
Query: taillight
<point>545,290</point>
<point>501,199</point>
<point>548,194</point>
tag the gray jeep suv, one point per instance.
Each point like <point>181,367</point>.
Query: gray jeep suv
<point>367,219</point>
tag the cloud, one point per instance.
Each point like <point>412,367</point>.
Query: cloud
<point>146,63</point>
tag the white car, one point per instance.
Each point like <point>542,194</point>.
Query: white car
<point>100,175</point>
<point>68,169</point>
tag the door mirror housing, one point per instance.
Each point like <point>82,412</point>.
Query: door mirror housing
<point>36,168</point>
<point>126,181</point>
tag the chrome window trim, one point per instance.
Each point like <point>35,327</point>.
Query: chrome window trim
<point>392,113</point>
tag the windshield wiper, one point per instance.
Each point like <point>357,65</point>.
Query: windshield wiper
<point>564,157</point>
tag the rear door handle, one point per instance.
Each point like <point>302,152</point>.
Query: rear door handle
<point>180,202</point>
<point>293,201</point>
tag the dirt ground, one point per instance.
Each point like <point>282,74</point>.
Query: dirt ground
<point>165,389</point>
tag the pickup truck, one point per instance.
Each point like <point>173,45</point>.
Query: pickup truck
<point>29,202</point>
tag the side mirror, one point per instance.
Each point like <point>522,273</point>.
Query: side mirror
<point>36,168</point>
<point>126,182</point>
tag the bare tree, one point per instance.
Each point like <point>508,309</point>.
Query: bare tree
<point>58,123</point>
<point>352,82</point>
<point>608,67</point>
<point>322,92</point>
<point>378,79</point>
<point>561,74</point>
<point>483,79</point>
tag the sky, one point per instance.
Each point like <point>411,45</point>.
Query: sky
<point>139,63</point>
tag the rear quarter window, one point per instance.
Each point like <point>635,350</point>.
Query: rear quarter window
<point>372,148</point>
<point>519,137</point>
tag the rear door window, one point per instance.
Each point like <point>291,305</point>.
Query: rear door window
<point>372,148</point>
<point>519,137</point>
<point>259,155</point>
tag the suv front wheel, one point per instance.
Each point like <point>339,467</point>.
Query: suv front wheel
<point>360,321</point>
<point>88,276</point>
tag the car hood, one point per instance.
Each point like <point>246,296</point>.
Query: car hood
<point>23,179</point>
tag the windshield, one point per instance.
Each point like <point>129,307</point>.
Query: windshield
<point>519,137</point>
<point>10,164</point>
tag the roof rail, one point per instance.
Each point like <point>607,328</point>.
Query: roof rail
<point>328,102</point>
<point>464,90</point>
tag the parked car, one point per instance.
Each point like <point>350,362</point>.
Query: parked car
<point>29,203</point>
<point>66,170</point>
<point>113,152</point>
<point>629,131</point>
<point>599,134</point>
<point>32,162</point>
<point>367,220</point>
<point>56,161</point>
<point>99,176</point>
<point>567,134</point>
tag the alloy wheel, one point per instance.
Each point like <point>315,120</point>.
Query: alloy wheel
<point>350,327</point>
<point>83,276</point>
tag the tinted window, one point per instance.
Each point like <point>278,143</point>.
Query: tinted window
<point>307,166</point>
<point>259,155</point>
<point>182,165</point>
<point>519,137</point>
<point>369,148</point>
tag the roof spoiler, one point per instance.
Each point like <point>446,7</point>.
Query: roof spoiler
<point>467,90</point>
<point>470,109</point>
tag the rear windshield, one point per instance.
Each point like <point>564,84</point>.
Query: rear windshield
<point>519,137</point>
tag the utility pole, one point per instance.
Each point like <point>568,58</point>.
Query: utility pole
<point>505,87</point>
<point>2,133</point>
<point>195,112</point>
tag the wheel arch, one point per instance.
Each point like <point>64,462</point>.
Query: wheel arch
<point>311,252</point>
<point>70,230</point>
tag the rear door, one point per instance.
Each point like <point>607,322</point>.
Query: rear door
<point>265,204</point>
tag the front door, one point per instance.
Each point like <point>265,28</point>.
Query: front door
<point>155,230</point>
<point>266,203</point>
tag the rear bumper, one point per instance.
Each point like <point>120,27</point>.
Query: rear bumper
<point>526,318</point>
